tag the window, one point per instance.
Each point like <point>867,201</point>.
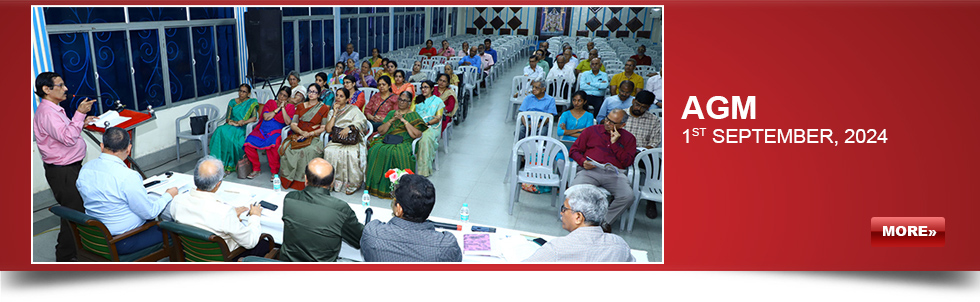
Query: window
<point>289,63</point>
<point>157,58</point>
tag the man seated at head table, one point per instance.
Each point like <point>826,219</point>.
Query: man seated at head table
<point>581,214</point>
<point>202,209</point>
<point>409,237</point>
<point>314,223</point>
<point>114,194</point>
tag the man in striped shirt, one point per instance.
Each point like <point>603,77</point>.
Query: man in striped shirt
<point>583,211</point>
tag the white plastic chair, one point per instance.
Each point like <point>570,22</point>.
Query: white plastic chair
<point>561,89</point>
<point>648,186</point>
<point>540,167</point>
<point>537,124</point>
<point>644,70</point>
<point>214,119</point>
<point>454,61</point>
<point>368,92</point>
<point>335,87</point>
<point>518,86</point>
<point>470,78</point>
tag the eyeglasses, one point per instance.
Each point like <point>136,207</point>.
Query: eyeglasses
<point>610,121</point>
<point>564,208</point>
<point>313,92</point>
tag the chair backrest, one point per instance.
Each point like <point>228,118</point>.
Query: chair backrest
<point>89,231</point>
<point>429,63</point>
<point>368,92</point>
<point>454,61</point>
<point>652,161</point>
<point>418,89</point>
<point>439,59</point>
<point>334,87</point>
<point>195,244</point>
<point>470,74</point>
<point>540,154</point>
<point>436,70</point>
<point>263,95</point>
<point>644,70</point>
<point>536,124</point>
<point>520,86</point>
<point>614,64</point>
<point>376,70</point>
<point>561,89</point>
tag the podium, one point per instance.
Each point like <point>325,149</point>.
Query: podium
<point>135,119</point>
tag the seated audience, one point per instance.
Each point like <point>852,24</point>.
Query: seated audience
<point>594,84</point>
<point>417,74</point>
<point>545,66</point>
<point>446,51</point>
<point>227,140</point>
<point>472,59</point>
<point>581,214</point>
<point>428,51</point>
<point>400,86</point>
<point>409,237</point>
<point>323,79</point>
<point>570,57</point>
<point>114,194</point>
<point>601,144</point>
<point>464,49</point>
<point>573,121</point>
<point>340,70</point>
<point>588,50</point>
<point>276,114</point>
<point>357,97</point>
<point>314,223</point>
<point>303,142</point>
<point>537,101</point>
<point>390,67</point>
<point>655,84</point>
<point>643,124</point>
<point>351,67</point>
<point>201,208</point>
<point>448,96</point>
<point>381,103</point>
<point>347,160</point>
<point>533,72</point>
<point>349,54</point>
<point>453,77</point>
<point>384,69</point>
<point>490,50</point>
<point>392,147</point>
<point>298,93</point>
<point>431,108</point>
<point>622,100</point>
<point>486,60</point>
<point>547,54</point>
<point>586,65</point>
<point>641,56</point>
<point>364,77</point>
<point>562,69</point>
<point>375,59</point>
<point>626,75</point>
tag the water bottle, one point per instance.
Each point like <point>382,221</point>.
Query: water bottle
<point>464,214</point>
<point>276,183</point>
<point>366,199</point>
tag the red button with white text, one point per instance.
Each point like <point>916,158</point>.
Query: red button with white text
<point>908,231</point>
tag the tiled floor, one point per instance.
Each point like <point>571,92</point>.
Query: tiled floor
<point>473,172</point>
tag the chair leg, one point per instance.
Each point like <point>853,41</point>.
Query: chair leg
<point>514,193</point>
<point>177,146</point>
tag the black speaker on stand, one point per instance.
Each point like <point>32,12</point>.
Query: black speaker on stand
<point>263,36</point>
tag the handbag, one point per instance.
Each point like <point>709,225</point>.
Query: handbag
<point>392,139</point>
<point>243,167</point>
<point>297,141</point>
<point>353,137</point>
<point>198,124</point>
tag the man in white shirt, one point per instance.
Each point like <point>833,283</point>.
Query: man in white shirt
<point>655,84</point>
<point>533,72</point>
<point>562,70</point>
<point>570,58</point>
<point>487,58</point>
<point>201,208</point>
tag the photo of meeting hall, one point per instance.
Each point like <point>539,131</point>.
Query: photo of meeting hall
<point>347,134</point>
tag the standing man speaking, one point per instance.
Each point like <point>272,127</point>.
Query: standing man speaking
<point>62,149</point>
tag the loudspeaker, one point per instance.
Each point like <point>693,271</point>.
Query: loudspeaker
<point>263,35</point>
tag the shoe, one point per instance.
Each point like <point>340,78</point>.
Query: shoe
<point>252,175</point>
<point>651,210</point>
<point>606,228</point>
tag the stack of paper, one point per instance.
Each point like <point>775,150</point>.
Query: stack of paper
<point>111,117</point>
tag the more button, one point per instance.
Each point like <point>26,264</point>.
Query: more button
<point>908,231</point>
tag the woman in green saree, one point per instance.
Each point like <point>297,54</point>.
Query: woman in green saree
<point>384,156</point>
<point>228,140</point>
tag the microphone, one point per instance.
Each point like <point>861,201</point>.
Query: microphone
<point>83,95</point>
<point>447,226</point>
<point>367,216</point>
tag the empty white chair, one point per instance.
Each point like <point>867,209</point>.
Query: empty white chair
<point>540,167</point>
<point>471,77</point>
<point>644,70</point>
<point>534,124</point>
<point>454,61</point>
<point>647,186</point>
<point>214,118</point>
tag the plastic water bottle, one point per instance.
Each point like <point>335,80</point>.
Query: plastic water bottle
<point>464,214</point>
<point>276,183</point>
<point>366,199</point>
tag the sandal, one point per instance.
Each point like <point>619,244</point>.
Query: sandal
<point>252,175</point>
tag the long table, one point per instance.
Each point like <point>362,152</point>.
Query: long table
<point>507,245</point>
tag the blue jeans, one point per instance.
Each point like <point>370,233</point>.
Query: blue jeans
<point>140,241</point>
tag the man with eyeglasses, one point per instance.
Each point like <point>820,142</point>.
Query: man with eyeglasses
<point>627,75</point>
<point>538,101</point>
<point>621,100</point>
<point>59,141</point>
<point>603,152</point>
<point>581,213</point>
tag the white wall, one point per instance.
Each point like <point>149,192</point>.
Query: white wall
<point>151,137</point>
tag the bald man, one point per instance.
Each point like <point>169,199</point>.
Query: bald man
<point>202,208</point>
<point>314,223</point>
